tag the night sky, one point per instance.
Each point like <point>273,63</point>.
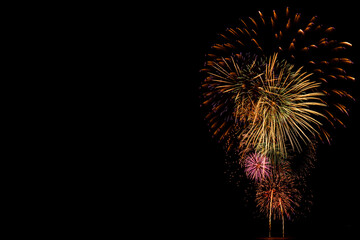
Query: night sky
<point>205,204</point>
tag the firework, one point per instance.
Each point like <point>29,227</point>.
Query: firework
<point>283,191</point>
<point>273,87</point>
<point>283,110</point>
<point>271,103</point>
<point>257,167</point>
<point>277,197</point>
<point>250,57</point>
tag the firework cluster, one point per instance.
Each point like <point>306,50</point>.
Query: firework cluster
<point>273,88</point>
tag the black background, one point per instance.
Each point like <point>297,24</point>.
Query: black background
<point>176,178</point>
<point>197,200</point>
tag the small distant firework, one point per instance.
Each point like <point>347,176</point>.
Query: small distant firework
<point>277,197</point>
<point>257,167</point>
<point>278,193</point>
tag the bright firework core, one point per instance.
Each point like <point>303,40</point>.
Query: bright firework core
<point>257,167</point>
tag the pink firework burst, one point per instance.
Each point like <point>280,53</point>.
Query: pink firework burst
<point>257,167</point>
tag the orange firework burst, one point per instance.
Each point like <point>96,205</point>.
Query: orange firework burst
<point>236,63</point>
<point>278,193</point>
<point>278,197</point>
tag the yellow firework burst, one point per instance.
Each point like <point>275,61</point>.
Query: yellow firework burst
<point>273,104</point>
<point>254,51</point>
